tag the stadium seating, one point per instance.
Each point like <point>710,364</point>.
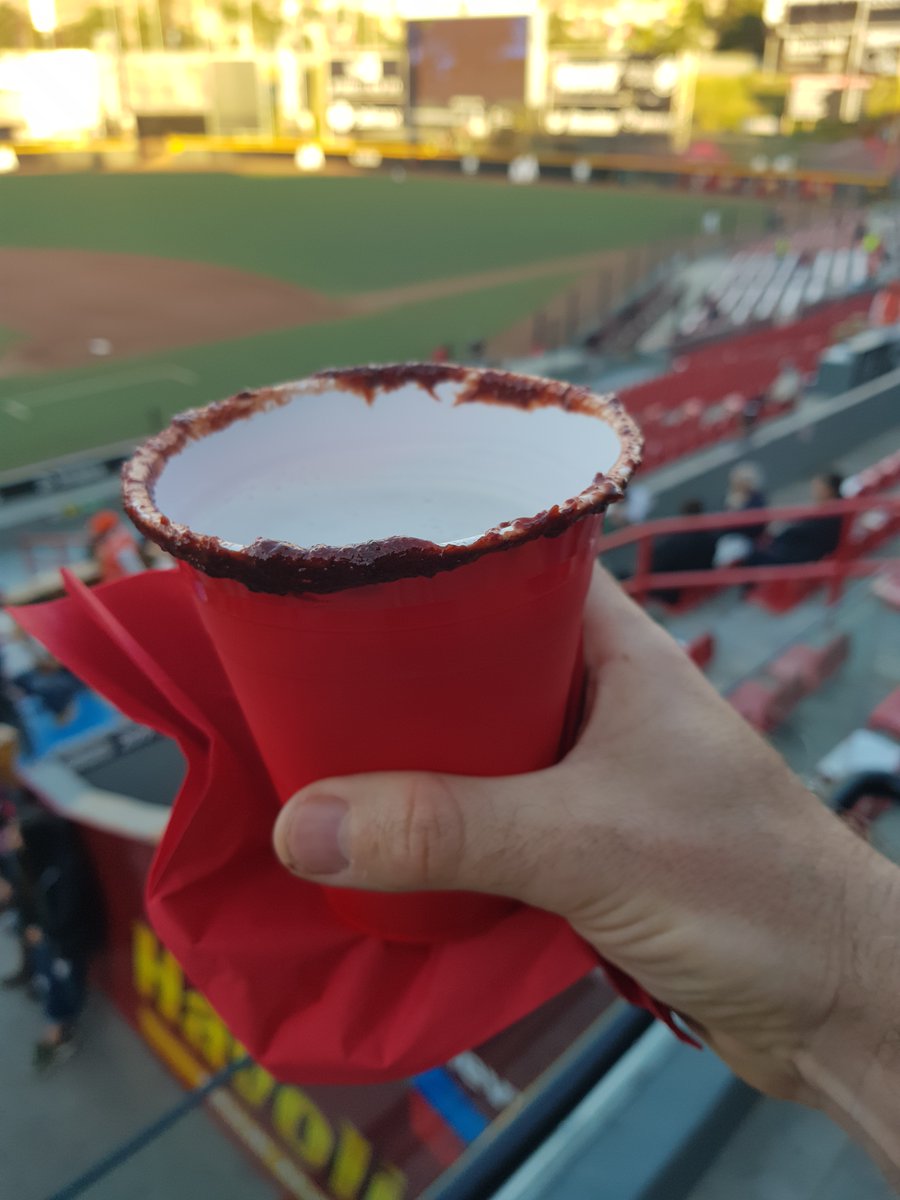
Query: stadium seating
<point>886,717</point>
<point>870,530</point>
<point>766,703</point>
<point>770,282</point>
<point>698,404</point>
<point>702,649</point>
<point>809,665</point>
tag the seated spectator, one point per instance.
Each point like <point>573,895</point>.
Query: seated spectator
<point>113,547</point>
<point>9,712</point>
<point>745,492</point>
<point>52,685</point>
<point>60,913</point>
<point>808,540</point>
<point>9,863</point>
<point>691,550</point>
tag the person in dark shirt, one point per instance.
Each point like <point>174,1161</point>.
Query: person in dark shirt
<point>808,540</point>
<point>691,550</point>
<point>9,712</point>
<point>61,914</point>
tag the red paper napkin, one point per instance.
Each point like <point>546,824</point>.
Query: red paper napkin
<point>312,1000</point>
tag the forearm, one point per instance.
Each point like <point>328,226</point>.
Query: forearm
<point>851,1068</point>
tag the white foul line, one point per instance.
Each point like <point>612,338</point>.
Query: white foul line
<point>22,405</point>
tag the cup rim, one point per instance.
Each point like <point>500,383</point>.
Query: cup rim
<point>282,568</point>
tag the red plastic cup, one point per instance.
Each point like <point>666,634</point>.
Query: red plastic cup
<point>392,564</point>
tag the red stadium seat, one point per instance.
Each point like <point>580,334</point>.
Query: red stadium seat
<point>810,666</point>
<point>702,649</point>
<point>834,654</point>
<point>886,717</point>
<point>766,703</point>
<point>781,595</point>
<point>689,599</point>
<point>702,379</point>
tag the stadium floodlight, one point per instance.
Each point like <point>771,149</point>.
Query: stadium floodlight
<point>43,16</point>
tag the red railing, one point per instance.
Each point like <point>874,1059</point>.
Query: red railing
<point>846,562</point>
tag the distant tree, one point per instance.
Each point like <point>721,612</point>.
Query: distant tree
<point>266,27</point>
<point>149,26</point>
<point>16,32</point>
<point>81,34</point>
<point>722,104</point>
<point>741,27</point>
<point>558,30</point>
<point>692,31</point>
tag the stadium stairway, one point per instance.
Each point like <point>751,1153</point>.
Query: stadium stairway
<point>862,634</point>
<point>112,1087</point>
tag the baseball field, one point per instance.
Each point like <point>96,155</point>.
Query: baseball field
<point>126,298</point>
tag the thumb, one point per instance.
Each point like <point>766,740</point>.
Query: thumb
<point>402,831</point>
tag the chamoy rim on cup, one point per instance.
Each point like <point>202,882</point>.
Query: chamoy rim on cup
<point>282,567</point>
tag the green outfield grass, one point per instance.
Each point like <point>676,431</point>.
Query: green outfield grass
<point>336,235</point>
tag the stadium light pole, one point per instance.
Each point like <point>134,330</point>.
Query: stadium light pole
<point>851,98</point>
<point>159,26</point>
<point>124,91</point>
<point>685,95</point>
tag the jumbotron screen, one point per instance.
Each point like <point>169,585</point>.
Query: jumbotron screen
<point>483,56</point>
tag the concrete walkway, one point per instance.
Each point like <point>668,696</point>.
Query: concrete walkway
<point>54,1127</point>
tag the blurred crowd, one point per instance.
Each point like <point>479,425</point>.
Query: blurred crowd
<point>32,681</point>
<point>778,544</point>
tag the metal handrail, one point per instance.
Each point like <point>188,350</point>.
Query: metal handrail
<point>844,563</point>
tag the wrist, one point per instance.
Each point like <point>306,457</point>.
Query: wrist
<point>849,1067</point>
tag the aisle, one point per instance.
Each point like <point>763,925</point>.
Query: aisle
<point>54,1127</point>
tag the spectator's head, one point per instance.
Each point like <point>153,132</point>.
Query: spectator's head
<point>691,508</point>
<point>744,480</point>
<point>826,486</point>
<point>102,522</point>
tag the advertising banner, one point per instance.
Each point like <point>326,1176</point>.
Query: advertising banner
<point>606,97</point>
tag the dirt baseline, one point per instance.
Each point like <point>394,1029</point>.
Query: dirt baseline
<point>57,302</point>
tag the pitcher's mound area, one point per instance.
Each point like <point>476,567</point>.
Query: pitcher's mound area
<point>62,303</point>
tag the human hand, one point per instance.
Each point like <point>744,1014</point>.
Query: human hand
<point>672,837</point>
<point>34,935</point>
